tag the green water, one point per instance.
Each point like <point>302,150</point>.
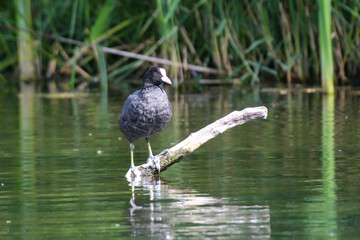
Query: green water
<point>295,175</point>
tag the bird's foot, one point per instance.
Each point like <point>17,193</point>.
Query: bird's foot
<point>158,166</point>
<point>157,161</point>
<point>151,161</point>
<point>131,173</point>
<point>154,163</point>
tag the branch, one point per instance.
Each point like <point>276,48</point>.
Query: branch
<point>170,156</point>
<point>117,51</point>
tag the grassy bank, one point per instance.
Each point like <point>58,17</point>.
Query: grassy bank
<point>253,41</point>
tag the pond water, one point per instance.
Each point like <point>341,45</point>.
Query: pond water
<point>295,175</point>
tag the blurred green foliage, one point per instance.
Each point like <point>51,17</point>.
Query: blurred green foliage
<point>253,41</point>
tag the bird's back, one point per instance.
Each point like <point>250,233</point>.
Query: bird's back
<point>145,113</point>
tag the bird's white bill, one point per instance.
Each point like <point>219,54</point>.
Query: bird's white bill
<point>164,78</point>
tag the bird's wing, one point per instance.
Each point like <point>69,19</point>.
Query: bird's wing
<point>132,117</point>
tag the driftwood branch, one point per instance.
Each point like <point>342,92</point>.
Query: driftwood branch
<point>118,52</point>
<point>166,158</point>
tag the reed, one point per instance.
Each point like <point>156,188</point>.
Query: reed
<point>325,44</point>
<point>25,45</point>
<point>101,59</point>
<point>254,41</point>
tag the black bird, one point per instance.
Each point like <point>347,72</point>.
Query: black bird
<point>146,112</point>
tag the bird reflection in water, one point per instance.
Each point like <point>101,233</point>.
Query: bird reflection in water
<point>167,212</point>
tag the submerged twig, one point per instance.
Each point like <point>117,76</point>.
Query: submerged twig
<point>166,158</point>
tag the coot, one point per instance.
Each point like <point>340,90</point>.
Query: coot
<point>146,112</point>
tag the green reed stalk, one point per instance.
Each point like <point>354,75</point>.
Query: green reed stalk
<point>102,21</point>
<point>73,18</point>
<point>102,68</point>
<point>72,81</point>
<point>212,38</point>
<point>325,44</point>
<point>100,26</point>
<point>25,42</point>
<point>166,21</point>
<point>248,39</point>
<point>296,10</point>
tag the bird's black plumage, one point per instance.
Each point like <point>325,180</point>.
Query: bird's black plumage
<point>146,112</point>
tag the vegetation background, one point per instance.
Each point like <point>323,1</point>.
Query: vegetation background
<point>246,42</point>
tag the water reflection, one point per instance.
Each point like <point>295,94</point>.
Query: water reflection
<point>295,175</point>
<point>27,150</point>
<point>103,110</point>
<point>328,166</point>
<point>322,216</point>
<point>166,212</point>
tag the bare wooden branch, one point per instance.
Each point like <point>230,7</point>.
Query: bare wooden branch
<point>119,52</point>
<point>170,156</point>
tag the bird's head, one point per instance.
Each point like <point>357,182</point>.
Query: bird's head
<point>155,76</point>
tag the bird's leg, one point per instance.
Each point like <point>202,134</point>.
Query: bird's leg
<point>132,148</point>
<point>150,152</point>
<point>149,147</point>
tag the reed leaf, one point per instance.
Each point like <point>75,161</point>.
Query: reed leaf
<point>325,44</point>
<point>72,81</point>
<point>102,69</point>
<point>102,20</point>
<point>24,40</point>
<point>73,18</point>
<point>243,39</point>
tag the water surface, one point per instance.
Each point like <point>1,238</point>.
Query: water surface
<point>295,175</point>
